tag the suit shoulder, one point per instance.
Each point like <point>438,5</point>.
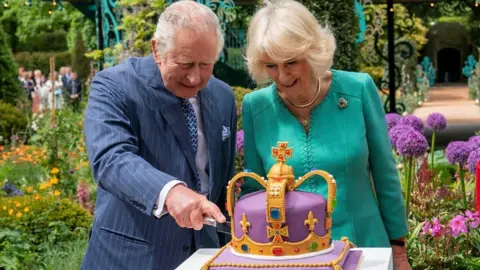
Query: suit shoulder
<point>117,73</point>
<point>349,83</point>
<point>221,86</point>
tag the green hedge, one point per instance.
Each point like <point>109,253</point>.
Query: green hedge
<point>41,60</point>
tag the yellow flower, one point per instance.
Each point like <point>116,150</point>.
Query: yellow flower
<point>26,209</point>
<point>37,197</point>
<point>54,180</point>
<point>10,212</point>
<point>17,204</point>
<point>56,193</point>
<point>55,170</point>
<point>29,189</point>
<point>42,186</point>
<point>19,215</point>
<point>4,207</point>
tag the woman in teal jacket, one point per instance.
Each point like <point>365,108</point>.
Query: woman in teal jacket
<point>333,120</point>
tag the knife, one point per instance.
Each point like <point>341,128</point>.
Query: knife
<point>221,227</point>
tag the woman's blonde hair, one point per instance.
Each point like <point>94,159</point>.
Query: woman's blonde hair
<point>285,29</point>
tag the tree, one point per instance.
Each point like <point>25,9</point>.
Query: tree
<point>10,87</point>
<point>340,16</point>
<point>80,63</point>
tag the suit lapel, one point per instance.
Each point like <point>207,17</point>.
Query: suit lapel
<point>170,107</point>
<point>212,128</point>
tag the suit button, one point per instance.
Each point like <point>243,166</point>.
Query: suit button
<point>186,248</point>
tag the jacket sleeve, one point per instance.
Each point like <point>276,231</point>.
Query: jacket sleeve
<point>383,169</point>
<point>112,147</point>
<point>252,160</point>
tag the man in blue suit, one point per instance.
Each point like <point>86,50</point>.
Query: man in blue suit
<point>160,134</point>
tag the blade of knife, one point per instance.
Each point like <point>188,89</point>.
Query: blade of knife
<point>221,227</point>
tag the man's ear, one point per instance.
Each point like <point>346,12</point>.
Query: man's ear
<point>156,56</point>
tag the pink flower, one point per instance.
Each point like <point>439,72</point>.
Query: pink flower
<point>437,228</point>
<point>426,228</point>
<point>473,219</point>
<point>458,225</point>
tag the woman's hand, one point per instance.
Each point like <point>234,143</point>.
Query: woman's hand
<point>400,258</point>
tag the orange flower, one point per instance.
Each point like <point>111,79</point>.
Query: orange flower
<point>55,170</point>
<point>18,215</point>
<point>17,204</point>
<point>29,189</point>
<point>54,180</point>
<point>37,197</point>
<point>10,212</point>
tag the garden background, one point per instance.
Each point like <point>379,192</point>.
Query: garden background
<point>48,193</point>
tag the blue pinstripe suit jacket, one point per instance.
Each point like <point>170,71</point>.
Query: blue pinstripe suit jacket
<point>137,141</point>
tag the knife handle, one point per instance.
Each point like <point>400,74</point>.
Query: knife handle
<point>210,221</point>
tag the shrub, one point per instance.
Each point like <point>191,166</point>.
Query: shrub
<point>10,87</point>
<point>12,120</point>
<point>44,218</point>
<point>239,93</point>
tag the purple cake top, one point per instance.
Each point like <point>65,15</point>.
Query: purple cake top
<point>298,204</point>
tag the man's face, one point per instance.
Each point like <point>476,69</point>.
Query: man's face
<point>187,67</point>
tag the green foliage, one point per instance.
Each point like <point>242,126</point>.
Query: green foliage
<point>10,86</point>
<point>27,24</point>
<point>41,60</point>
<point>340,16</point>
<point>12,120</point>
<point>33,225</point>
<point>139,23</point>
<point>80,63</point>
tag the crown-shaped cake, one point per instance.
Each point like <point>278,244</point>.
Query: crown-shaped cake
<point>280,224</point>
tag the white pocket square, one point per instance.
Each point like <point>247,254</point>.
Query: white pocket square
<point>225,133</point>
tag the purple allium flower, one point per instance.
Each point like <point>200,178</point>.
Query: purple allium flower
<point>413,121</point>
<point>392,119</point>
<point>474,142</point>
<point>473,159</point>
<point>457,152</point>
<point>396,131</point>
<point>239,141</point>
<point>412,144</point>
<point>473,219</point>
<point>437,121</point>
<point>458,225</point>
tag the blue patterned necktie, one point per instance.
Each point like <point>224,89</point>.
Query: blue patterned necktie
<point>191,121</point>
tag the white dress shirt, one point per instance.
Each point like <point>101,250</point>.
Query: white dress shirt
<point>201,161</point>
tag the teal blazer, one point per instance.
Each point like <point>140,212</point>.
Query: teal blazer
<point>350,143</point>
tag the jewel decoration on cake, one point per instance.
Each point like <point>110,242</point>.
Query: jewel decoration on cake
<point>281,224</point>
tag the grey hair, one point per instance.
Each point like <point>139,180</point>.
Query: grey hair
<point>186,14</point>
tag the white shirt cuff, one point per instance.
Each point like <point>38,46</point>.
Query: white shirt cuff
<point>160,203</point>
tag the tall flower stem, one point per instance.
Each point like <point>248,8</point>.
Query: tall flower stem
<point>433,150</point>
<point>409,169</point>
<point>462,184</point>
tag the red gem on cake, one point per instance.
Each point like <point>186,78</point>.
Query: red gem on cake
<point>277,251</point>
<point>297,250</point>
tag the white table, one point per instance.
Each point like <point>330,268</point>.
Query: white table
<point>373,259</point>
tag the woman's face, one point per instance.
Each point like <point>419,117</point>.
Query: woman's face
<point>294,77</point>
